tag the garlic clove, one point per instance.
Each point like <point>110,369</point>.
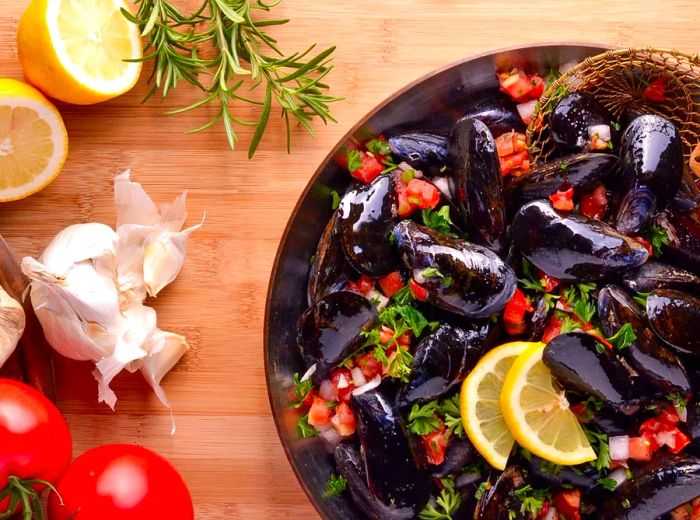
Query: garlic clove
<point>81,242</point>
<point>166,349</point>
<point>133,204</point>
<point>12,321</point>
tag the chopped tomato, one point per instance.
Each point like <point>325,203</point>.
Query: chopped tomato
<point>369,365</point>
<point>521,87</point>
<point>363,285</point>
<point>369,169</point>
<point>422,194</point>
<point>343,384</point>
<point>544,509</point>
<point>435,444</point>
<point>656,91</point>
<point>549,283</point>
<point>669,416</point>
<point>594,203</point>
<point>343,421</point>
<point>419,292</point>
<point>391,284</point>
<point>583,412</point>
<point>515,164</point>
<point>640,449</point>
<point>536,86</point>
<point>405,207</point>
<point>646,244</point>
<point>567,502</point>
<point>385,335</point>
<point>510,143</point>
<point>599,144</point>
<point>319,414</point>
<point>552,330</point>
<point>514,313</point>
<point>563,200</point>
<point>678,441</point>
<point>308,400</point>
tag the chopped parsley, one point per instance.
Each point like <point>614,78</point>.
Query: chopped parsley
<point>335,486</point>
<point>608,484</point>
<point>641,298</point>
<point>615,125</point>
<point>679,401</point>
<point>354,160</point>
<point>531,499</point>
<point>439,220</point>
<point>530,283</point>
<point>431,272</point>
<point>335,199</point>
<point>624,337</point>
<point>599,443</point>
<point>301,389</point>
<point>483,487</point>
<point>378,147</point>
<point>446,503</point>
<point>425,419</point>
<point>449,408</point>
<point>563,166</point>
<point>550,468</point>
<point>658,238</point>
<point>580,300</point>
<point>304,428</point>
<point>626,503</point>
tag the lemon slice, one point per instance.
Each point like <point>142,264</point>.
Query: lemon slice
<point>538,415</point>
<point>74,50</point>
<point>480,403</point>
<point>33,140</point>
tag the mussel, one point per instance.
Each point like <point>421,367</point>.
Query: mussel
<point>580,363</point>
<point>651,168</point>
<point>458,454</point>
<point>366,216</point>
<point>441,360</point>
<point>476,182</point>
<point>575,117</point>
<point>499,113</point>
<point>645,354</point>
<point>657,275</point>
<point>573,248</point>
<point>398,489</point>
<point>683,233</point>
<point>350,465</point>
<point>654,489</point>
<point>499,502</point>
<point>584,477</point>
<point>329,330</point>
<point>582,171</point>
<point>673,316</point>
<point>473,281</point>
<point>422,150</point>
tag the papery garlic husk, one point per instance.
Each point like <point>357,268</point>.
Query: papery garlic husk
<point>12,321</point>
<point>164,352</point>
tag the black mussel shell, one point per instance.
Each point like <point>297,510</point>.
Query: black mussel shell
<point>573,116</point>
<point>687,199</point>
<point>582,171</point>
<point>475,282</point>
<point>398,488</point>
<point>545,474</point>
<point>329,330</point>
<point>655,488</point>
<point>441,360</point>
<point>499,499</point>
<point>499,113</point>
<point>613,423</point>
<point>580,363</point>
<point>422,150</point>
<point>646,354</point>
<point>350,465</point>
<point>657,275</point>
<point>694,422</point>
<point>683,233</point>
<point>539,319</point>
<point>330,270</point>
<point>674,316</point>
<point>573,248</point>
<point>652,169</point>
<point>366,216</point>
<point>476,182</point>
<point>458,454</point>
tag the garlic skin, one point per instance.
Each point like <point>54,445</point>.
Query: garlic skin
<point>12,321</point>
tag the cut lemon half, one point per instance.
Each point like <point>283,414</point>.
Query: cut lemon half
<point>480,403</point>
<point>33,140</point>
<point>74,50</point>
<point>538,415</point>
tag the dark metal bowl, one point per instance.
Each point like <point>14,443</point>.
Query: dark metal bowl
<point>433,101</point>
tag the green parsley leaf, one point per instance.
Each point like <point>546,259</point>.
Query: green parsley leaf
<point>624,337</point>
<point>530,283</point>
<point>563,166</point>
<point>354,160</point>
<point>401,364</point>
<point>579,299</point>
<point>610,145</point>
<point>641,298</point>
<point>483,487</point>
<point>550,468</point>
<point>335,199</point>
<point>608,484</point>
<point>568,323</point>
<point>403,296</point>
<point>301,389</point>
<point>378,146</point>
<point>438,220</point>
<point>626,503</point>
<point>304,428</point>
<point>532,499</point>
<point>678,400</point>
<point>335,486</point>
<point>422,419</point>
<point>447,281</point>
<point>615,125</point>
<point>450,411</point>
<point>599,443</point>
<point>413,318</point>
<point>431,272</point>
<point>657,237</point>
<point>446,503</point>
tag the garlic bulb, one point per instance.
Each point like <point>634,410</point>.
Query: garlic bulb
<point>88,288</point>
<point>12,322</point>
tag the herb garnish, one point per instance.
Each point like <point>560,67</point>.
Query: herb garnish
<point>532,499</point>
<point>608,484</point>
<point>301,389</point>
<point>658,238</point>
<point>424,419</point>
<point>335,199</point>
<point>641,298</point>
<point>378,147</point>
<point>446,503</point>
<point>483,487</point>
<point>304,428</point>
<point>530,283</point>
<point>335,486</point>
<point>599,443</point>
<point>580,300</point>
<point>439,220</point>
<point>354,160</point>
<point>679,401</point>
<point>624,337</point>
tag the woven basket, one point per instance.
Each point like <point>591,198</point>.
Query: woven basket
<point>617,79</point>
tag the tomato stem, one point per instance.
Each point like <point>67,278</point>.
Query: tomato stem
<point>21,492</point>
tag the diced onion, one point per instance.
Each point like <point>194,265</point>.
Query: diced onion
<point>331,436</point>
<point>371,385</point>
<point>382,301</point>
<point>442,184</point>
<point>311,371</point>
<point>665,439</point>
<point>326,391</point>
<point>358,378</point>
<point>343,381</point>
<point>602,131</point>
<point>418,276</point>
<point>682,412</point>
<point>551,514</point>
<point>619,475</point>
<point>527,110</point>
<point>619,447</point>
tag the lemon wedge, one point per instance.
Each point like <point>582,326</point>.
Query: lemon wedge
<point>537,412</point>
<point>74,50</point>
<point>33,140</point>
<point>480,403</point>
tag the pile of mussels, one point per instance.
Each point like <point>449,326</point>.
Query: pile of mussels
<point>499,222</point>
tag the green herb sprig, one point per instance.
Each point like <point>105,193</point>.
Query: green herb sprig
<point>446,503</point>
<point>335,486</point>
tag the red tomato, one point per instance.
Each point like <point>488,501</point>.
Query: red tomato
<point>343,421</point>
<point>567,502</point>
<point>120,481</point>
<point>516,163</point>
<point>594,203</point>
<point>422,194</point>
<point>510,143</point>
<point>646,244</point>
<point>370,169</point>
<point>552,330</point>
<point>669,416</point>
<point>679,440</point>
<point>656,91</point>
<point>435,445</point>
<point>520,86</point>
<point>640,448</point>
<point>35,441</point>
<point>391,284</point>
<point>342,394</point>
<point>363,285</point>
<point>536,86</point>
<point>369,365</point>
<point>319,414</point>
<point>514,313</point>
<point>419,292</point>
<point>550,283</point>
<point>563,200</point>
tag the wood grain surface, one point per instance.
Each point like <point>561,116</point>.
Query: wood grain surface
<point>226,445</point>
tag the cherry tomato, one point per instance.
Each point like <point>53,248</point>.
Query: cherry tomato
<point>391,284</point>
<point>563,200</point>
<point>35,441</point>
<point>120,481</point>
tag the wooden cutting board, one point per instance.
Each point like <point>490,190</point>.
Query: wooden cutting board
<point>226,445</point>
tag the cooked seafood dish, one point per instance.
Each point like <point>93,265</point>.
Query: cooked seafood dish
<point>491,338</point>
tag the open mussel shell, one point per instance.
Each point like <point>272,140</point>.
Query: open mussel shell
<point>651,169</point>
<point>499,499</point>
<point>545,474</point>
<point>366,216</point>
<point>398,489</point>
<point>499,113</point>
<point>424,151</point>
<point>646,354</point>
<point>657,275</point>
<point>441,360</point>
<point>475,282</point>
<point>460,452</point>
<point>683,233</point>
<point>581,171</point>
<point>674,316</point>
<point>330,330</point>
<point>573,116</point>
<point>573,247</point>
<point>655,488</point>
<point>476,182</point>
<point>351,466</point>
<point>580,363</point>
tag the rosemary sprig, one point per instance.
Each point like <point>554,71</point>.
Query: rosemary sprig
<point>240,56</point>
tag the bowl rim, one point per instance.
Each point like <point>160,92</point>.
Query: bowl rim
<point>312,181</point>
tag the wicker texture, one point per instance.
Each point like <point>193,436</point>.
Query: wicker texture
<point>617,79</point>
